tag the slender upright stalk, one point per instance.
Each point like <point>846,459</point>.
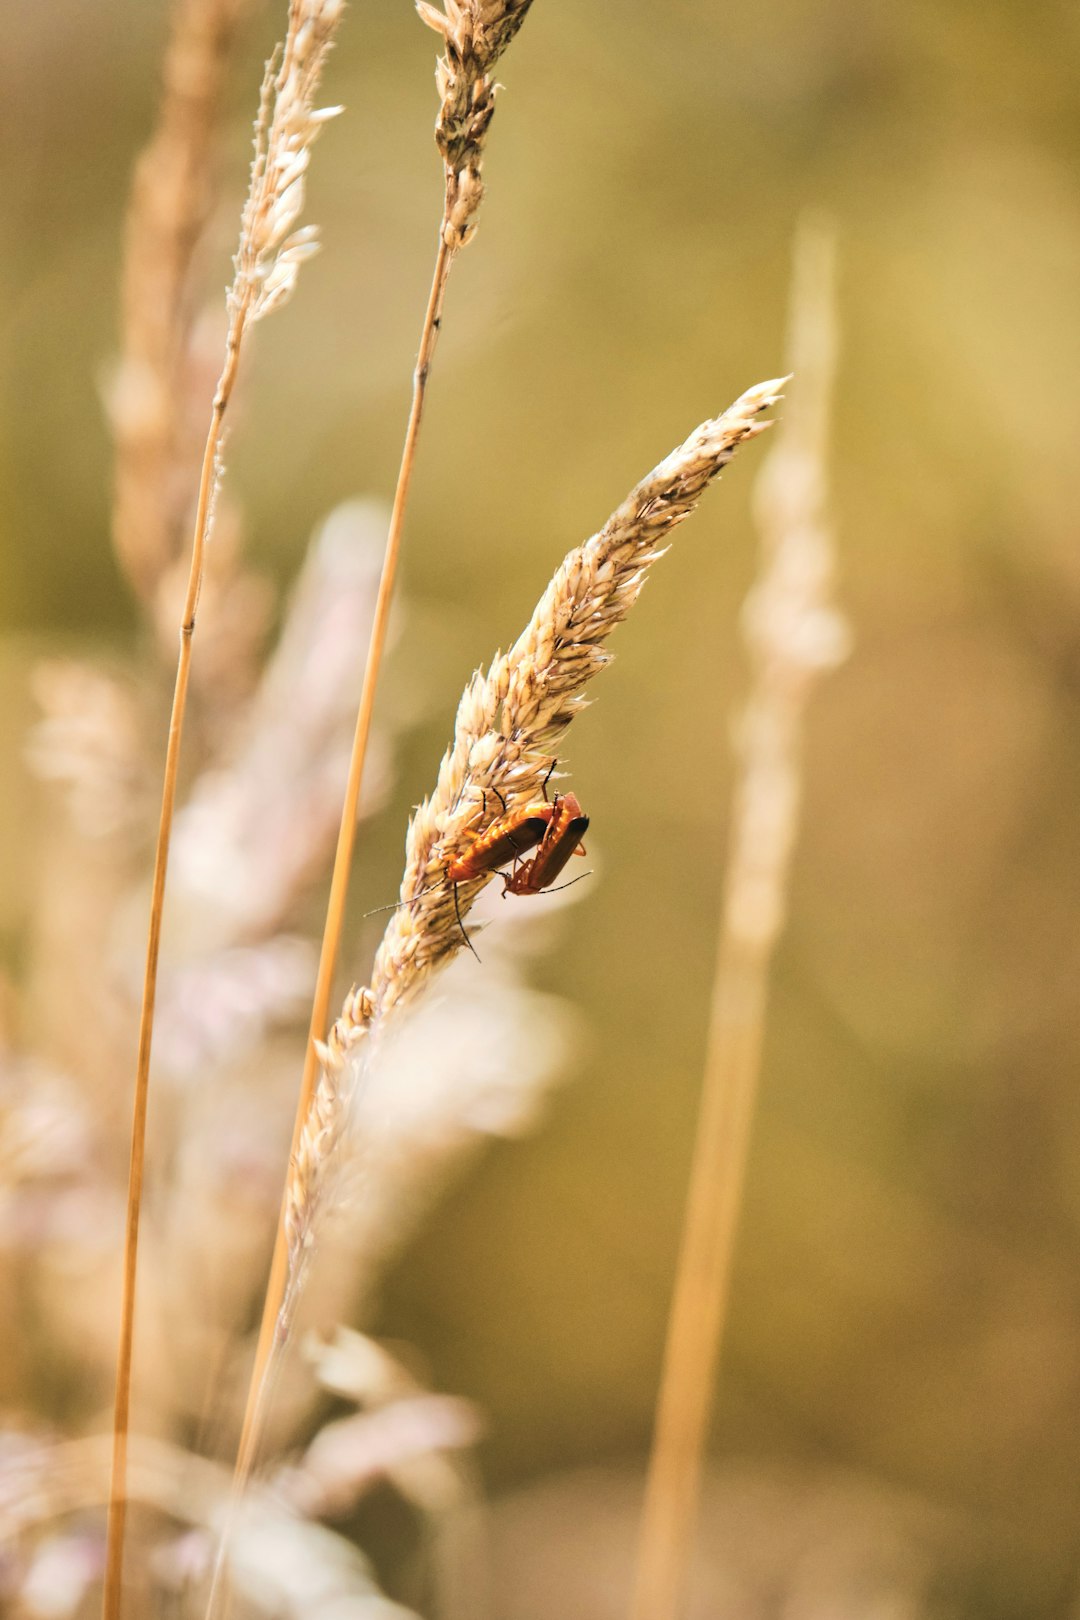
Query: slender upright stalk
<point>254,1414</point>
<point>702,1282</point>
<point>266,266</point>
<point>475,33</point>
<point>793,633</point>
<point>122,1405</point>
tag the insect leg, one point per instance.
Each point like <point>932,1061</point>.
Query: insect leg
<point>396,905</point>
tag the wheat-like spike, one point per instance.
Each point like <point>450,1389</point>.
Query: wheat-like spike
<point>271,252</point>
<point>475,33</point>
<point>510,722</point>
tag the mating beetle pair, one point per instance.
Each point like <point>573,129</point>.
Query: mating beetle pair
<point>557,826</point>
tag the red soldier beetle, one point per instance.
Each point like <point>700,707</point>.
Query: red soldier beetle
<point>557,827</point>
<point>562,837</point>
<point>508,837</point>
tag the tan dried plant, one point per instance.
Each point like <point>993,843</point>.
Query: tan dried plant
<point>475,34</point>
<point>266,266</point>
<point>509,725</point>
<point>794,633</point>
<point>172,194</point>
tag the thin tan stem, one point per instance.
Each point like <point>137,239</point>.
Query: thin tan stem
<point>257,1405</point>
<point>793,633</point>
<point>118,1490</point>
<point>702,1281</point>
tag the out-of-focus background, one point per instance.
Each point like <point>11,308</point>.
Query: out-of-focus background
<point>898,1416</point>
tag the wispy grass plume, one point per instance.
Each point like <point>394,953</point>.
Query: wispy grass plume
<point>793,633</point>
<point>171,196</point>
<point>266,267</point>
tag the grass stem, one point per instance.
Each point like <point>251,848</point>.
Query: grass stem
<point>257,1404</point>
<point>793,633</point>
<point>114,1555</point>
<point>702,1284</point>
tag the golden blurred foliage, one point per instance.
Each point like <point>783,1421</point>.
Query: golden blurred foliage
<point>902,1371</point>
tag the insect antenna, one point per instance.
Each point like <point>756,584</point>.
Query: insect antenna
<point>461,925</point>
<point>559,887</point>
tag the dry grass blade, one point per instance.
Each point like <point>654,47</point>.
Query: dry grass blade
<point>171,195</point>
<point>793,634</point>
<point>266,266</point>
<point>475,34</point>
<point>509,722</point>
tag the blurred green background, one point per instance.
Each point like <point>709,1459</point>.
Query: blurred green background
<point>907,1291</point>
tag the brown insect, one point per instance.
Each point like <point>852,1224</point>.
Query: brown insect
<point>506,839</point>
<point>566,826</point>
<point>556,826</point>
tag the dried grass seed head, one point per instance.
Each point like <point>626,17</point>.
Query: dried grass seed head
<point>511,720</point>
<point>271,251</point>
<point>151,391</point>
<point>475,34</point>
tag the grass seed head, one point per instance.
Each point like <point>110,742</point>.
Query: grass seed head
<point>475,33</point>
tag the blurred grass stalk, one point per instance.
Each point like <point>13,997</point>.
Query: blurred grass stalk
<point>267,263</point>
<point>172,194</point>
<point>792,633</point>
